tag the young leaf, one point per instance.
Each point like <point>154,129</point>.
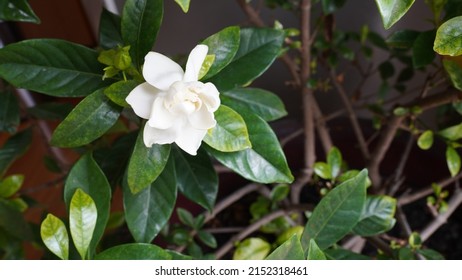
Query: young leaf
<point>10,185</point>
<point>135,251</point>
<point>337,213</point>
<point>323,170</point>
<point>54,235</point>
<point>314,252</point>
<point>334,160</point>
<point>14,147</point>
<point>109,30</point>
<point>118,92</point>
<point>392,10</point>
<point>17,10</point>
<point>453,161</point>
<point>184,4</point>
<point>377,216</point>
<point>252,249</point>
<point>452,133</point>
<point>448,39</point>
<point>279,192</point>
<point>230,134</point>
<point>425,140</point>
<point>9,112</point>
<point>290,250</point>
<point>82,221</point>
<point>185,217</point>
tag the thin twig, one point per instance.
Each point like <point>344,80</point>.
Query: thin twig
<point>402,220</point>
<point>397,180</point>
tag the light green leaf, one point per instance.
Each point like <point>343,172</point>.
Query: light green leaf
<point>17,10</point>
<point>263,103</point>
<point>252,249</point>
<point>184,4</point>
<point>291,249</point>
<point>323,170</point>
<point>314,252</point>
<point>454,71</point>
<point>334,160</point>
<point>146,164</point>
<point>392,10</point>
<point>14,147</point>
<point>62,69</point>
<point>448,39</point>
<point>12,221</point>
<point>9,112</point>
<point>452,133</point>
<point>89,120</point>
<point>10,185</point>
<point>425,140</point>
<point>377,216</point>
<point>135,251</point>
<point>109,30</point>
<point>453,161</point>
<point>422,49</point>
<point>82,221</point>
<point>118,92</point>
<point>230,134</point>
<point>337,213</point>
<point>54,235</point>
<point>279,192</point>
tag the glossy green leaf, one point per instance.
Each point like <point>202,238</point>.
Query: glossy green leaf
<point>197,178</point>
<point>334,160</point>
<point>403,39</point>
<point>89,120</point>
<point>224,46</point>
<point>207,238</point>
<point>342,254</point>
<point>430,254</point>
<point>323,170</point>
<point>279,192</point>
<point>146,164</point>
<point>147,211</point>
<point>82,221</point>
<point>135,251</point>
<point>448,39</point>
<point>454,71</point>
<point>230,133</point>
<point>453,161</point>
<point>265,162</point>
<point>422,49</point>
<point>452,133</point>
<point>14,147</point>
<point>257,50</point>
<point>51,110</point>
<point>263,103</point>
<point>290,250</point>
<point>141,21</point>
<point>406,253</point>
<point>330,6</point>
<point>185,217</point>
<point>54,235</point>
<point>51,66</point>
<point>118,92</point>
<point>9,112</point>
<point>10,185</point>
<point>252,249</point>
<point>337,213</point>
<point>425,140</point>
<point>184,4</point>
<point>109,30</point>
<point>377,216</point>
<point>392,10</point>
<point>178,256</point>
<point>314,252</point>
<point>12,221</point>
<point>17,10</point>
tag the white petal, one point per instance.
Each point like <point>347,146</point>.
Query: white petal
<point>141,99</point>
<point>160,71</point>
<point>190,139</point>
<point>161,117</point>
<point>195,60</point>
<point>202,119</point>
<point>153,135</point>
<point>210,96</point>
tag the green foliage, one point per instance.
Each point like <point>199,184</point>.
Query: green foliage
<point>135,251</point>
<point>314,252</point>
<point>184,4</point>
<point>252,249</point>
<point>9,112</point>
<point>10,185</point>
<point>12,221</point>
<point>449,38</point>
<point>110,30</point>
<point>290,250</point>
<point>17,10</point>
<point>392,10</point>
<point>14,147</point>
<point>453,161</point>
<point>377,216</point>
<point>54,235</point>
<point>425,140</point>
<point>422,49</point>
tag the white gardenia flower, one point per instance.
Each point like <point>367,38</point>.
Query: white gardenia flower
<point>178,107</point>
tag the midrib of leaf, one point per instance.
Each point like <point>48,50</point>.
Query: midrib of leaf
<point>270,164</point>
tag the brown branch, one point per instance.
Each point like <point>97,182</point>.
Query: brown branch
<point>251,13</point>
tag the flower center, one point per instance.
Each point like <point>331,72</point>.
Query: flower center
<point>183,98</point>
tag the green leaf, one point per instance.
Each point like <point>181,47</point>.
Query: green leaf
<point>264,162</point>
<point>184,4</point>
<point>386,69</point>
<point>430,254</point>
<point>197,178</point>
<point>392,10</point>
<point>10,185</point>
<point>252,249</point>
<point>12,221</point>
<point>141,20</point>
<point>377,40</point>
<point>224,46</point>
<point>257,50</point>
<point>330,6</point>
<point>135,251</point>
<point>448,39</point>
<point>185,217</point>
<point>337,213</point>
<point>117,92</point>
<point>14,147</point>
<point>86,176</point>
<point>9,112</point>
<point>89,120</point>
<point>279,192</point>
<point>109,30</point>
<point>406,254</point>
<point>314,252</point>
<point>377,216</point>
<point>422,49</point>
<point>323,170</point>
<point>146,164</point>
<point>17,10</point>
<point>51,66</point>
<point>334,160</point>
<point>263,103</point>
<point>230,133</point>
<point>207,238</point>
<point>147,211</point>
<point>454,71</point>
<point>425,140</point>
<point>82,221</point>
<point>452,133</point>
<point>290,250</point>
<point>403,39</point>
<point>54,235</point>
<point>51,110</point>
<point>342,254</point>
<point>453,161</point>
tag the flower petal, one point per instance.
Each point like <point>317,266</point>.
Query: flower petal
<point>160,71</point>
<point>161,118</point>
<point>190,139</point>
<point>195,60</point>
<point>153,135</point>
<point>202,119</point>
<point>141,99</point>
<point>210,96</point>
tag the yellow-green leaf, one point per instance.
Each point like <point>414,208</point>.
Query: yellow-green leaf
<point>54,235</point>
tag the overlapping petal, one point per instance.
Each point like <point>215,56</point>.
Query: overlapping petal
<point>190,139</point>
<point>195,60</point>
<point>161,117</point>
<point>141,99</point>
<point>160,71</point>
<point>202,119</point>
<point>152,135</point>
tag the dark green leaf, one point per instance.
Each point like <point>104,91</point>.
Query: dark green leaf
<point>453,161</point>
<point>135,251</point>
<point>54,235</point>
<point>224,46</point>
<point>264,162</point>
<point>392,10</point>
<point>89,120</point>
<point>406,254</point>
<point>377,216</point>
<point>386,70</point>
<point>17,10</point>
<point>117,92</point>
<point>207,238</point>
<point>185,217</point>
<point>10,185</point>
<point>448,39</point>
<point>141,21</point>
<point>430,254</point>
<point>14,147</point>
<point>252,249</point>
<point>323,170</point>
<point>337,213</point>
<point>289,250</point>
<point>452,9</point>
<point>9,112</point>
<point>342,254</point>
<point>146,164</point>
<point>263,103</point>
<point>330,6</point>
<point>197,178</point>
<point>425,140</point>
<point>230,133</point>
<point>51,111</point>
<point>403,39</point>
<point>314,252</point>
<point>334,160</point>
<point>454,71</point>
<point>257,50</point>
<point>109,30</point>
<point>87,176</point>
<point>12,221</point>
<point>147,211</point>
<point>51,66</point>
<point>178,256</point>
<point>422,49</point>
<point>377,40</point>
